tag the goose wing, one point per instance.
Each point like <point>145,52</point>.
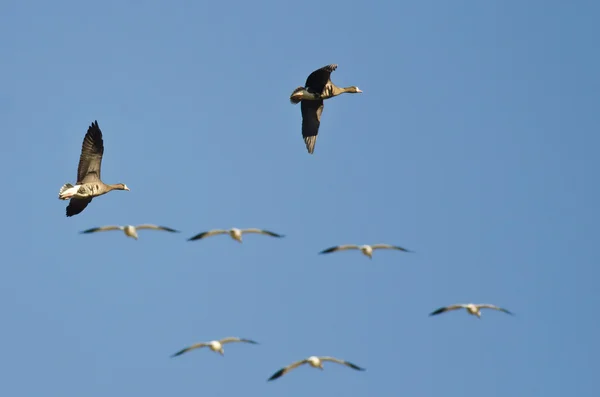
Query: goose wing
<point>317,80</point>
<point>311,121</point>
<point>208,234</point>
<point>77,205</point>
<point>192,347</point>
<point>261,231</point>
<point>236,339</point>
<point>343,362</point>
<point>389,246</point>
<point>90,160</point>
<point>447,308</point>
<point>103,229</point>
<point>287,369</point>
<point>489,306</point>
<point>156,227</point>
<point>340,248</point>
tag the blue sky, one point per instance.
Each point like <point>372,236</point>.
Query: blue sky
<point>474,144</point>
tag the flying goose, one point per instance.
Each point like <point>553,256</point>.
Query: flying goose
<point>129,230</point>
<point>365,249</point>
<point>214,345</point>
<point>235,233</point>
<point>472,308</point>
<point>317,88</point>
<point>88,183</point>
<point>315,362</point>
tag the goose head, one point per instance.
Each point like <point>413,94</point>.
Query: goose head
<point>354,90</point>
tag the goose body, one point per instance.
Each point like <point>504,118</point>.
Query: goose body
<point>317,88</point>
<point>366,249</point>
<point>234,233</point>
<point>315,362</point>
<point>471,308</point>
<point>89,184</point>
<point>214,345</point>
<point>130,230</point>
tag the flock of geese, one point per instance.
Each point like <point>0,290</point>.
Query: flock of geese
<point>317,88</point>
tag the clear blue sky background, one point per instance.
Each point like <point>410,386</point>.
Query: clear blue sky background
<point>475,144</point>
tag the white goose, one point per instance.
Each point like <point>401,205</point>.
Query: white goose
<point>129,230</point>
<point>472,308</point>
<point>365,249</point>
<point>235,233</point>
<point>214,345</point>
<point>315,362</point>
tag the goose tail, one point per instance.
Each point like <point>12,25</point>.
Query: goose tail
<point>296,96</point>
<point>63,189</point>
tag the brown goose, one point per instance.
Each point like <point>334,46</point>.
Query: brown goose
<point>318,87</point>
<point>88,183</point>
<point>315,362</point>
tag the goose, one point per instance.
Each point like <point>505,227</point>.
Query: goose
<point>472,308</point>
<point>235,233</point>
<point>88,183</point>
<point>365,249</point>
<point>315,362</point>
<point>214,345</point>
<point>130,230</point>
<point>317,88</point>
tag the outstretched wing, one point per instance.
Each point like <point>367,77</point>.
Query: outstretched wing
<point>236,339</point>
<point>343,362</point>
<point>90,160</point>
<point>287,369</point>
<point>261,231</point>
<point>77,205</point>
<point>317,80</point>
<point>446,309</point>
<point>388,246</point>
<point>208,234</point>
<point>311,121</point>
<point>489,306</point>
<point>102,229</point>
<point>187,349</point>
<point>339,248</point>
<point>156,227</point>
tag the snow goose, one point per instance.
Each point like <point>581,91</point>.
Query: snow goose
<point>214,345</point>
<point>235,233</point>
<point>89,184</point>
<point>315,362</point>
<point>365,249</point>
<point>318,87</point>
<point>129,230</point>
<point>472,308</point>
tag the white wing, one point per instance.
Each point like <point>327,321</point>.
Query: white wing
<point>489,306</point>
<point>208,234</point>
<point>340,248</point>
<point>343,362</point>
<point>261,231</point>
<point>103,229</point>
<point>192,347</point>
<point>236,339</point>
<point>448,308</point>
<point>156,227</point>
<point>287,369</point>
<point>389,246</point>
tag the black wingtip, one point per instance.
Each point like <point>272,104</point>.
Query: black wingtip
<point>276,375</point>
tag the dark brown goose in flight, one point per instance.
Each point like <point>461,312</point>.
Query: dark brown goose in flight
<point>318,87</point>
<point>88,183</point>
